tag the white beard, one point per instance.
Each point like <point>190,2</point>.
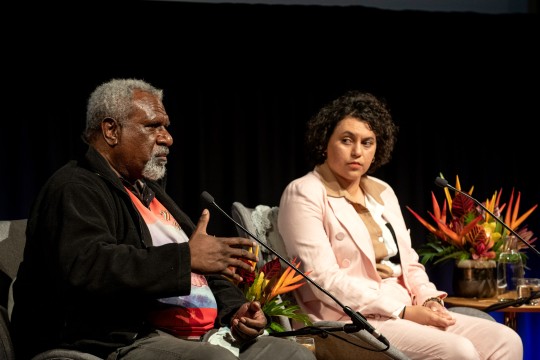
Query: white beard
<point>155,168</point>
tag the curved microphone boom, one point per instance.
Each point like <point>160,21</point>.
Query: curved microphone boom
<point>358,319</point>
<point>444,183</point>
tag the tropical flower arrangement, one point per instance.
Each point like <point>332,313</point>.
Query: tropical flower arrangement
<point>267,284</point>
<point>463,230</point>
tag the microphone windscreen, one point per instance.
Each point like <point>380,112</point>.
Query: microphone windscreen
<point>207,197</point>
<point>441,182</point>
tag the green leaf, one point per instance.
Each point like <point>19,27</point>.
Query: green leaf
<point>279,307</point>
<point>275,327</point>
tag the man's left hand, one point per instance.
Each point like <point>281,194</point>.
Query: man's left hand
<point>248,322</point>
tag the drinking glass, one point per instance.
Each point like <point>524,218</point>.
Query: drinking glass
<point>526,287</point>
<point>306,341</point>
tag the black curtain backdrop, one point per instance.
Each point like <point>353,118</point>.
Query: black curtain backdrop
<point>240,82</point>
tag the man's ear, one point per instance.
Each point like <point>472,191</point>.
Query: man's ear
<point>110,131</point>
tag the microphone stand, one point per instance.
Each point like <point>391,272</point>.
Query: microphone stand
<point>516,303</point>
<point>311,330</point>
<point>359,322</point>
<point>444,183</point>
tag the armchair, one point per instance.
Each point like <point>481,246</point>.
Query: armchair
<point>12,240</point>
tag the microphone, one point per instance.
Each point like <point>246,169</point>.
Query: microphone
<point>358,319</point>
<point>444,183</point>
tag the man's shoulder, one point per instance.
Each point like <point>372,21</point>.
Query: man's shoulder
<point>73,171</point>
<point>75,177</point>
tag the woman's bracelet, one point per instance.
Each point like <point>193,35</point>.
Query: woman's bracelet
<point>439,300</point>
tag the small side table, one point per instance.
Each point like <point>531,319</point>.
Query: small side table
<point>510,312</point>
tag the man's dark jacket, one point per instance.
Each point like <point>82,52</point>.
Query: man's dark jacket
<point>90,272</point>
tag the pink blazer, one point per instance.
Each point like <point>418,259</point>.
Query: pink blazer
<point>330,240</point>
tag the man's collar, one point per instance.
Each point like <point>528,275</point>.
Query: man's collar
<point>141,190</point>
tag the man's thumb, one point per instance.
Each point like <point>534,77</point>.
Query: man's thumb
<point>203,221</point>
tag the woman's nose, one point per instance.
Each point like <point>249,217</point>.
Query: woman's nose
<point>357,150</point>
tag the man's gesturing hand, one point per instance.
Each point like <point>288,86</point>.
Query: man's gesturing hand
<point>213,255</point>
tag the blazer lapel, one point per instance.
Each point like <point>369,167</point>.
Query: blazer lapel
<point>348,218</point>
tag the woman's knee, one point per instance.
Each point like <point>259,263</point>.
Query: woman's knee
<point>507,345</point>
<point>459,349</point>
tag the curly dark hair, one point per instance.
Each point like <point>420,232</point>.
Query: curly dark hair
<point>361,105</point>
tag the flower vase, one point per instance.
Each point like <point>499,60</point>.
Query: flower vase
<point>475,278</point>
